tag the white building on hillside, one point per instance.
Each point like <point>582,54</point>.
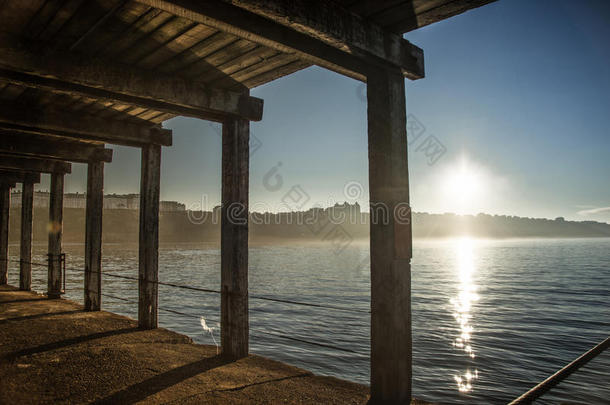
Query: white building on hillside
<point>111,201</point>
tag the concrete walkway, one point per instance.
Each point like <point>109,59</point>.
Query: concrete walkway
<point>51,351</point>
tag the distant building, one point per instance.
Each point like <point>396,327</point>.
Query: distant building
<point>348,212</point>
<point>122,201</point>
<point>75,200</point>
<point>171,206</point>
<point>346,208</point>
<point>41,199</point>
<point>111,201</point>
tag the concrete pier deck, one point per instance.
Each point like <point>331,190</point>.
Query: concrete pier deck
<point>51,351</point>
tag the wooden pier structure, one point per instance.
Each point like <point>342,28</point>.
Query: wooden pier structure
<point>76,75</point>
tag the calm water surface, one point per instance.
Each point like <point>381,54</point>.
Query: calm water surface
<point>490,318</point>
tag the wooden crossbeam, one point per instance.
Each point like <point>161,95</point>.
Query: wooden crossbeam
<point>433,13</point>
<point>104,80</point>
<point>12,162</point>
<point>320,32</point>
<point>336,26</point>
<point>40,146</point>
<point>12,176</point>
<point>51,121</point>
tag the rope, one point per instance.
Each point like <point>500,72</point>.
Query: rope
<point>256,331</point>
<point>341,349</point>
<point>119,298</point>
<point>259,297</point>
<point>208,290</point>
<point>308,304</point>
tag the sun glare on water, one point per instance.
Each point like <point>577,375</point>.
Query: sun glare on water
<point>463,309</point>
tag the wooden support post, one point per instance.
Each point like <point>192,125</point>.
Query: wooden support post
<point>25,265</point>
<point>391,238</point>
<point>93,236</point>
<point>5,207</point>
<point>55,234</point>
<point>234,238</point>
<point>149,236</point>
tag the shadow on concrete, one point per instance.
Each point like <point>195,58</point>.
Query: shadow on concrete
<point>280,379</point>
<point>38,316</point>
<point>42,299</point>
<point>65,343</point>
<point>146,388</point>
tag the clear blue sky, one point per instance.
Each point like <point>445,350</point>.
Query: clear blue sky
<point>518,92</point>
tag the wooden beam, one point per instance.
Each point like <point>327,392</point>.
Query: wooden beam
<point>56,203</point>
<point>93,236</point>
<point>149,237</point>
<point>390,239</point>
<point>105,80</point>
<point>332,24</point>
<point>5,208</point>
<point>52,121</point>
<point>435,13</point>
<point>13,176</point>
<point>242,23</point>
<point>12,162</point>
<point>234,328</point>
<point>40,146</point>
<point>25,248</point>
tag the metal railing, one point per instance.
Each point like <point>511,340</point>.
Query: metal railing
<point>560,375</point>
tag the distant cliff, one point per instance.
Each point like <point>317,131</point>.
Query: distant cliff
<point>120,225</point>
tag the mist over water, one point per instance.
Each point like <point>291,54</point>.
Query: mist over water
<point>491,318</point>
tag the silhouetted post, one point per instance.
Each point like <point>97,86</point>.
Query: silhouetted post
<point>25,265</point>
<point>234,238</point>
<point>149,236</point>
<point>56,203</point>
<point>390,239</point>
<point>93,236</point>
<point>5,207</point>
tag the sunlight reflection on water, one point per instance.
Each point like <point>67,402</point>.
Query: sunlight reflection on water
<point>463,308</point>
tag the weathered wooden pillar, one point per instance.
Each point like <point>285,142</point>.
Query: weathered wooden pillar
<point>25,259</point>
<point>391,359</point>
<point>149,236</point>
<point>56,205</point>
<point>93,236</point>
<point>5,208</point>
<point>234,238</point>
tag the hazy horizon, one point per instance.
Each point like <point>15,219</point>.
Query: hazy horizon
<point>364,209</point>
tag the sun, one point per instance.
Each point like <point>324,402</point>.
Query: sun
<point>464,188</point>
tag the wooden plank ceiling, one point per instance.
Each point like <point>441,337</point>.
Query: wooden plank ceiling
<point>134,34</point>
